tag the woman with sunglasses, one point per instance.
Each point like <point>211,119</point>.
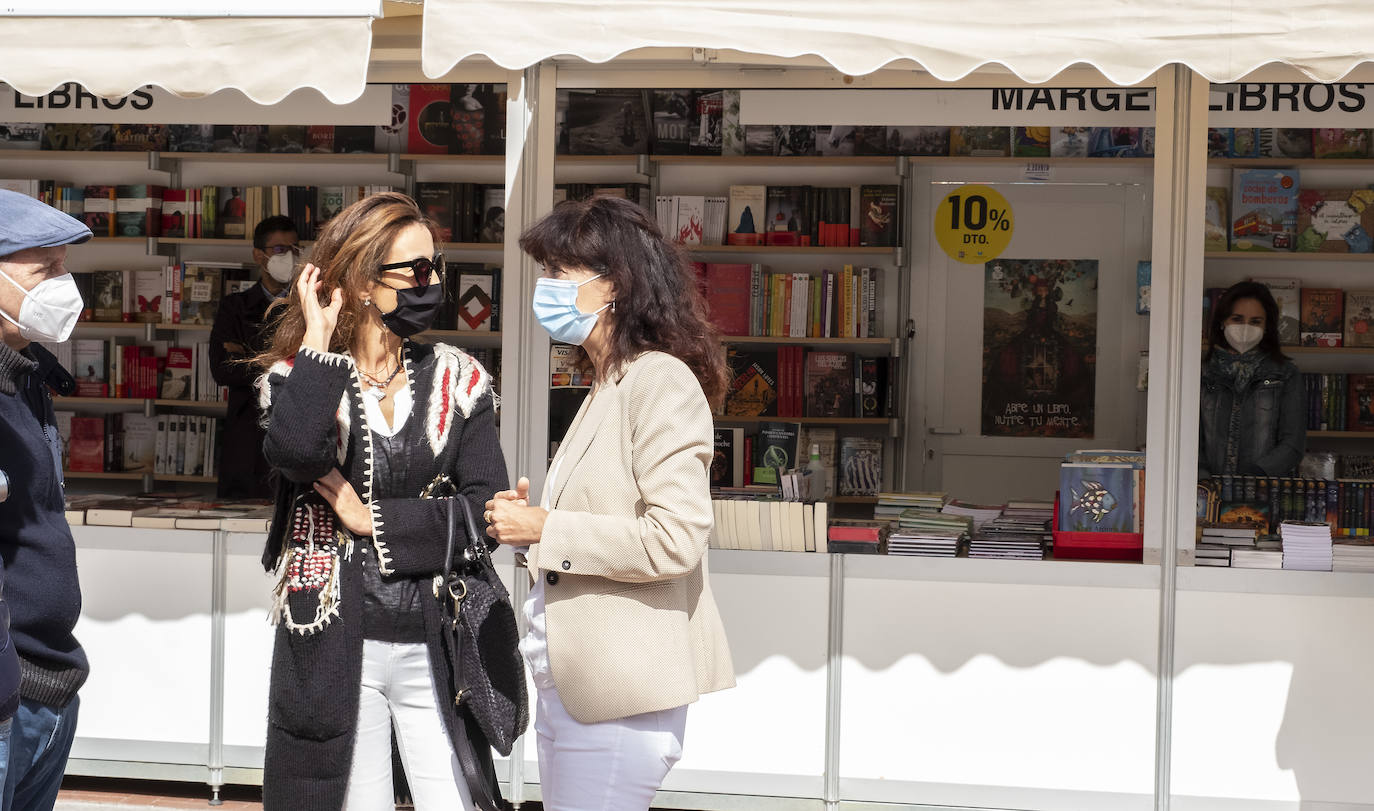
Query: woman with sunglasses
<point>623,632</point>
<point>361,422</point>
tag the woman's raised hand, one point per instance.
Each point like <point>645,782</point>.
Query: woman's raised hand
<point>319,320</point>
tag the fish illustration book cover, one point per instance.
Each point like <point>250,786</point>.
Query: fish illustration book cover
<point>1097,498</point>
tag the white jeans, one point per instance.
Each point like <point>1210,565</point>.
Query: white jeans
<point>608,766</point>
<point>398,688</point>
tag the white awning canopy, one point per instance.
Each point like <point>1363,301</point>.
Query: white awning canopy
<point>1126,40</point>
<point>264,57</point>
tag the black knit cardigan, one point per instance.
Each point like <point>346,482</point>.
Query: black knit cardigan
<point>316,422</point>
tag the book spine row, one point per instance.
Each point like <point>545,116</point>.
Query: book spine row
<point>830,304</point>
<point>186,445</point>
<point>1346,505</point>
<point>770,525</point>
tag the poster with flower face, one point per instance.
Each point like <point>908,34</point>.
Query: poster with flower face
<point>1039,347</point>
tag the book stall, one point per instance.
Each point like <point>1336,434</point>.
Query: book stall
<point>961,549</point>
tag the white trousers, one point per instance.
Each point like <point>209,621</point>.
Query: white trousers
<point>398,691</point>
<point>608,766</point>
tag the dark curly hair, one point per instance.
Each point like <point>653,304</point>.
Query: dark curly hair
<point>658,305</point>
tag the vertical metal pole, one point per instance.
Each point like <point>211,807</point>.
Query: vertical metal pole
<point>834,665</point>
<point>1171,470</point>
<point>524,346</point>
<point>219,564</point>
<point>901,425</point>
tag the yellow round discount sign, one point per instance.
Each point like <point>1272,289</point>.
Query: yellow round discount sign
<point>973,224</point>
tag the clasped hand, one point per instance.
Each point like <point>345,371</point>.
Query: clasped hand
<point>511,520</point>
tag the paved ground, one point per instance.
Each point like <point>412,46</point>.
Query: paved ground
<point>105,794</point>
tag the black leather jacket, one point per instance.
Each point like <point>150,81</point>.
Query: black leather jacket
<point>1270,420</point>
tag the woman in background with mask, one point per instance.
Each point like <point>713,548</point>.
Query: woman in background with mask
<point>240,331</point>
<point>1253,417</point>
<point>363,422</point>
<point>623,632</point>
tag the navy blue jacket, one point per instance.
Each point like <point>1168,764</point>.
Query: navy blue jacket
<point>37,553</point>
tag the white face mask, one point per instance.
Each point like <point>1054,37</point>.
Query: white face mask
<point>49,311</point>
<point>281,266</point>
<point>1243,337</point>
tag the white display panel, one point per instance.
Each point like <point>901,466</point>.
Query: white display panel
<point>997,695</point>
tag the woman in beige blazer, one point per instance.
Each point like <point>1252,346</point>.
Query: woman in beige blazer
<point>623,631</point>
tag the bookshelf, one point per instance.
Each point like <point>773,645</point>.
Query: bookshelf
<point>1341,434</point>
<point>1289,256</point>
<point>196,169</point>
<point>726,419</point>
<point>713,175</point>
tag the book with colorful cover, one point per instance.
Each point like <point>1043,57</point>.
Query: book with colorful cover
<point>786,216</point>
<point>1359,403</point>
<point>201,289</point>
<point>748,207</point>
<point>1069,142</point>
<point>729,290</point>
<point>1359,318</point>
<point>99,210</point>
<point>829,384</point>
<point>691,219</point>
<point>1323,318</point>
<point>775,451</point>
<point>86,448</point>
<point>880,216</point>
<point>980,142</point>
<point>178,376</point>
<point>753,390</point>
<point>1264,209</point>
<point>727,461</point>
<point>107,287</point>
<point>1098,497</point>
<point>90,367</point>
<point>474,299</point>
<point>1030,142</point>
<point>1336,220</point>
<point>860,470</point>
<point>1285,142</point>
<point>1217,231</point>
<point>149,288</point>
<point>1143,271</point>
<point>1340,143</point>
<point>1287,294</point>
<point>706,131</point>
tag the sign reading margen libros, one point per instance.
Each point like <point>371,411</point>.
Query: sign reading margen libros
<point>1236,105</point>
<point>71,104</point>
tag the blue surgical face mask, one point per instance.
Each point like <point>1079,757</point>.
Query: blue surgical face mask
<point>555,308</point>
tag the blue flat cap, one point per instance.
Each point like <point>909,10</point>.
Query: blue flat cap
<point>26,223</point>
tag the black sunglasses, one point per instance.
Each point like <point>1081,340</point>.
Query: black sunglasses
<point>421,268</point>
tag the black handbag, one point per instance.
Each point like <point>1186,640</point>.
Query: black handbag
<point>482,639</point>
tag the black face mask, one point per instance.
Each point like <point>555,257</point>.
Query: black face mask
<point>415,310</point>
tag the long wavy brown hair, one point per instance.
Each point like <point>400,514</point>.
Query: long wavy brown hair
<point>349,251</point>
<point>658,305</point>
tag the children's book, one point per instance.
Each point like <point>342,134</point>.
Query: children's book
<point>1264,209</point>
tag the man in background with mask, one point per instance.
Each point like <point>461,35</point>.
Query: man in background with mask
<point>239,333</point>
<point>41,664</point>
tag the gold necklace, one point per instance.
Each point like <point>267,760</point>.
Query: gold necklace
<point>374,380</point>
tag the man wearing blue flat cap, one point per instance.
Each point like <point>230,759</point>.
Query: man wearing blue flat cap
<point>41,664</point>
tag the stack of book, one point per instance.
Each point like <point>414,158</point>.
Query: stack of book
<point>1210,554</point>
<point>858,537</point>
<point>980,514</point>
<point>1354,555</point>
<point>1266,555</point>
<point>756,518</point>
<point>892,506</point>
<point>1215,546</point>
<point>931,543</point>
<point>1011,539</point>
<point>1306,545</point>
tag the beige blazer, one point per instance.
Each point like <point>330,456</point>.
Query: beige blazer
<point>631,623</point>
